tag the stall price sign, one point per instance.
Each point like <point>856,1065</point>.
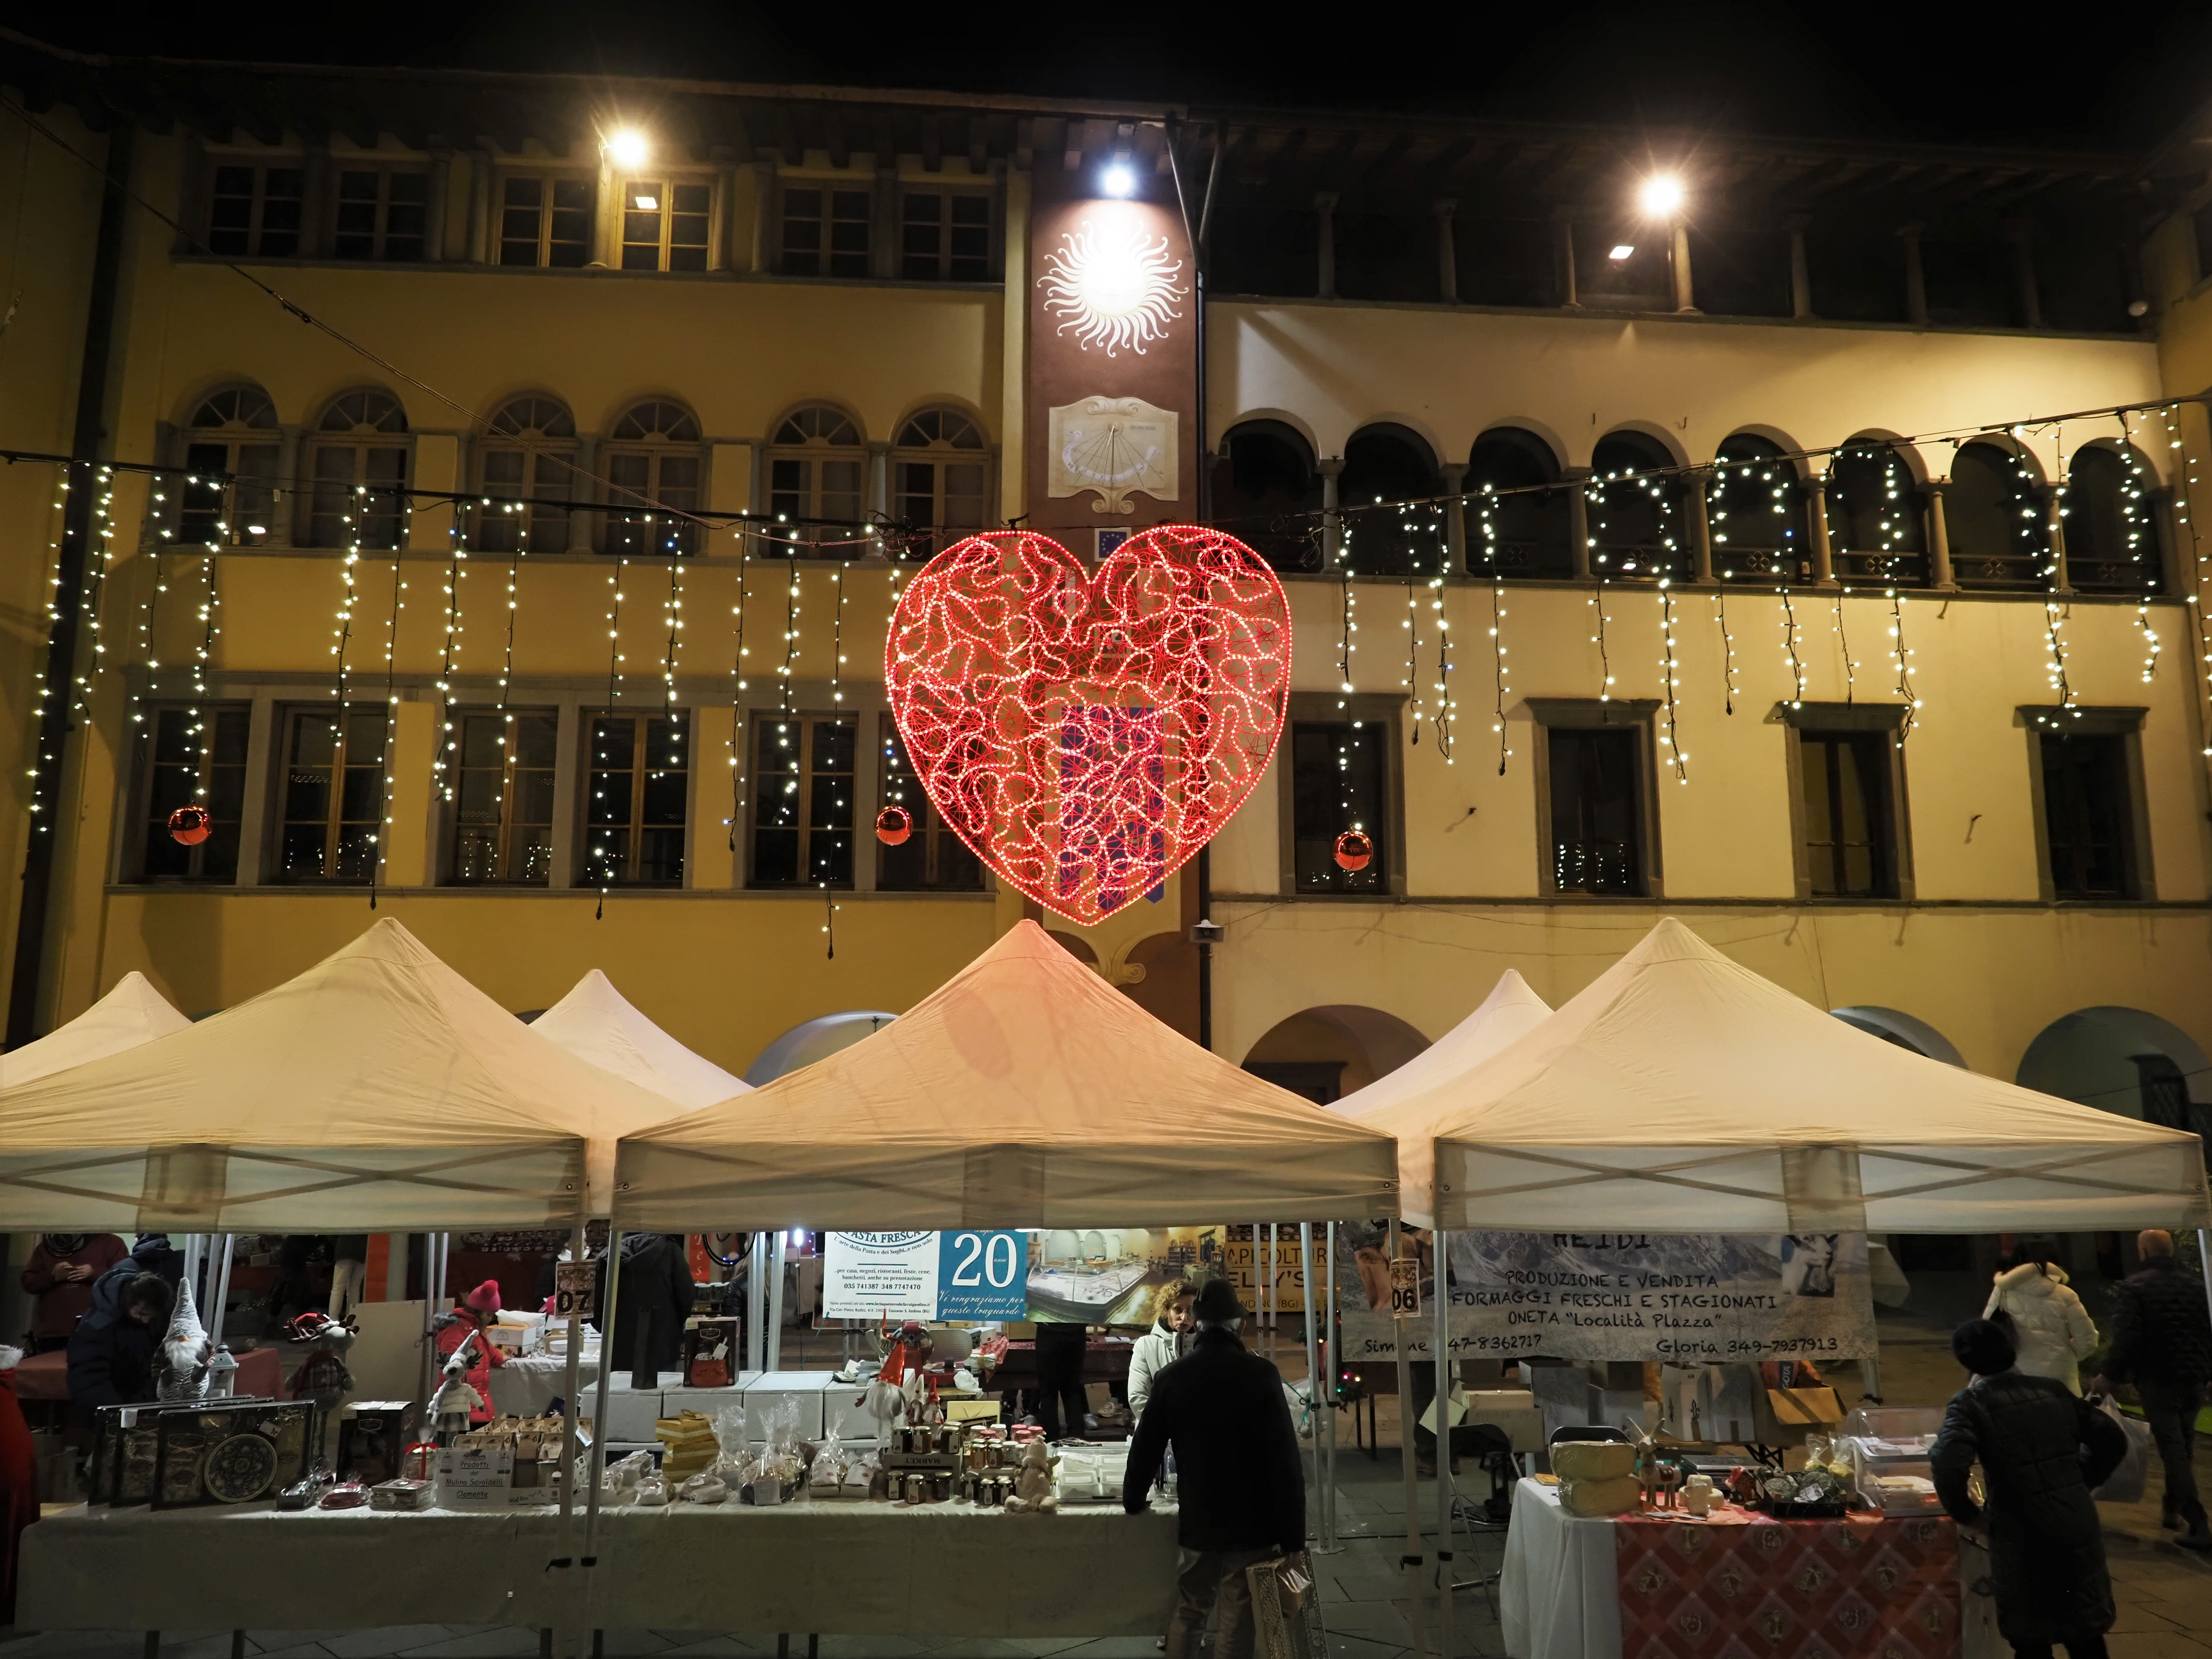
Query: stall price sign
<point>983,1275</point>
<point>1405,1287</point>
<point>875,1276</point>
<point>575,1289</point>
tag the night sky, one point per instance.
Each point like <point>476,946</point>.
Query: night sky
<point>2073,76</point>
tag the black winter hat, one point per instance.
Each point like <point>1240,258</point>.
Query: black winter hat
<point>1984,1347</point>
<point>1218,1304</point>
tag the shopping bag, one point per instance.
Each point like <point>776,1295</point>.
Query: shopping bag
<point>1286,1608</point>
<point>2127,1481</point>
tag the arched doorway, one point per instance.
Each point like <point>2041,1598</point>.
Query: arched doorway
<point>1327,1052</point>
<point>815,1039</point>
<point>2124,1061</point>
<point>1904,1032</point>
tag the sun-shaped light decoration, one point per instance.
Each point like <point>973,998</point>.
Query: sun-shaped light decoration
<point>1112,285</point>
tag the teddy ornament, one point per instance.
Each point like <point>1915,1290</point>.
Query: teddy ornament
<point>1033,1493</point>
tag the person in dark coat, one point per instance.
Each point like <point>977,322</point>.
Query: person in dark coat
<point>2162,1343</point>
<point>652,1302</point>
<point>2043,1448</point>
<point>114,1349</point>
<point>59,1277</point>
<point>1061,1403</point>
<point>1241,1490</point>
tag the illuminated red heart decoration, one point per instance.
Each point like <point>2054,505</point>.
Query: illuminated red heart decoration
<point>1085,733</point>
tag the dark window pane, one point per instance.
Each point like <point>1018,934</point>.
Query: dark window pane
<point>1338,779</point>
<point>2088,815</point>
<point>1594,809</point>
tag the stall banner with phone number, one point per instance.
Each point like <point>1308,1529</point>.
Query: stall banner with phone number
<point>1686,1298</point>
<point>968,1274</point>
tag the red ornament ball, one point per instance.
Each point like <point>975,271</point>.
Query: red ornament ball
<point>893,825</point>
<point>191,825</point>
<point>1355,850</point>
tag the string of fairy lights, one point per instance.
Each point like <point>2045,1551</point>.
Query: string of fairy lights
<point>1866,483</point>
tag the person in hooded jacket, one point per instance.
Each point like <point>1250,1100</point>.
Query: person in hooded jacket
<point>115,1349</point>
<point>2052,1331</point>
<point>2162,1343</point>
<point>653,1301</point>
<point>1240,1484</point>
<point>2043,1449</point>
<point>1168,1340</point>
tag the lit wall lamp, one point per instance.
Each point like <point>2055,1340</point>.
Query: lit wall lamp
<point>1118,178</point>
<point>629,148</point>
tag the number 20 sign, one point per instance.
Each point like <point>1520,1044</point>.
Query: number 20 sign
<point>983,1275</point>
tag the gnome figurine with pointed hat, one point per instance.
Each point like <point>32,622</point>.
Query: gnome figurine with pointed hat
<point>180,1372</point>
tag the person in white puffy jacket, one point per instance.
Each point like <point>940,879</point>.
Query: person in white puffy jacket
<point>2050,1329</point>
<point>1168,1340</point>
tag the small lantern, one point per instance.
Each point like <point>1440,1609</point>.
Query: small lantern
<point>1355,850</point>
<point>191,825</point>
<point>893,825</point>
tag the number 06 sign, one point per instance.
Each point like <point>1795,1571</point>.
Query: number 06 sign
<point>954,1275</point>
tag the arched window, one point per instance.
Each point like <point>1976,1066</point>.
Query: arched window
<point>1384,466</point>
<point>1266,493</point>
<point>232,431</point>
<point>1994,513</point>
<point>1873,516</point>
<point>815,467</point>
<point>939,472</point>
<point>2112,535</point>
<point>527,458</point>
<point>359,473</point>
<point>1755,507</point>
<point>1634,508</point>
<point>1513,526</point>
<point>654,460</point>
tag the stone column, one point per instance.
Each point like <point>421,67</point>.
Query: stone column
<point>1801,269</point>
<point>1455,519</point>
<point>768,214</point>
<point>1816,514</point>
<point>2022,235</point>
<point>1447,256</point>
<point>1325,210</point>
<point>724,213</point>
<point>287,527</point>
<point>1916,282</point>
<point>1330,467</point>
<point>1939,539</point>
<point>606,217</point>
<point>883,232</point>
<point>2054,515</point>
<point>317,191</point>
<point>484,210</point>
<point>581,488</point>
<point>1563,260</point>
<point>879,497</point>
<point>1578,537</point>
<point>1701,526</point>
<point>1685,291</point>
<point>438,189</point>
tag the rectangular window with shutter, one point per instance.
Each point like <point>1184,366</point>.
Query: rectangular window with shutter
<point>932,858</point>
<point>254,211</point>
<point>331,812</point>
<point>945,237</point>
<point>638,796</point>
<point>1340,784</point>
<point>545,221</point>
<point>664,226</point>
<point>802,795</point>
<point>192,756</point>
<point>825,232</point>
<point>500,769</point>
<point>1597,808</point>
<point>1849,829</point>
<point>2088,816</point>
<point>381,213</point>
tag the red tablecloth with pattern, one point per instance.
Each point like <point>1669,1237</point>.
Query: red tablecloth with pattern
<point>1861,1588</point>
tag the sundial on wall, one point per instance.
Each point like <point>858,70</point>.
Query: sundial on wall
<point>1113,446</point>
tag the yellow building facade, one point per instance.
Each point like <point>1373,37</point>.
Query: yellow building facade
<point>1842,757</point>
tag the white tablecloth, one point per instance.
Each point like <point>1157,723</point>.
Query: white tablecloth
<point>838,1568</point>
<point>529,1383</point>
<point>1558,1596</point>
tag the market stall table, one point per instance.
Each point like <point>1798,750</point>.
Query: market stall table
<point>845,1568</point>
<point>1665,1587</point>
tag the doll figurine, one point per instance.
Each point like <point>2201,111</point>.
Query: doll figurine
<point>1033,1493</point>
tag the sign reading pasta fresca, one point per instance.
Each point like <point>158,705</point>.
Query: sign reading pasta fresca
<point>970,1274</point>
<point>1683,1299</point>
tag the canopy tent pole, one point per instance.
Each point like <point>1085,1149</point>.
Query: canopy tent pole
<point>2204,1259</point>
<point>192,1274</point>
<point>564,1601</point>
<point>1400,1333</point>
<point>1314,1408</point>
<point>756,1292</point>
<point>1443,1408</point>
<point>1328,1544</point>
<point>213,1317</point>
<point>596,1462</point>
<point>774,1332</point>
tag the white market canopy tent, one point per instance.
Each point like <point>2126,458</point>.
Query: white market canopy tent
<point>1682,1092</point>
<point>1023,1092</point>
<point>377,1090</point>
<point>1509,1013</point>
<point>597,1024</point>
<point>133,1013</point>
